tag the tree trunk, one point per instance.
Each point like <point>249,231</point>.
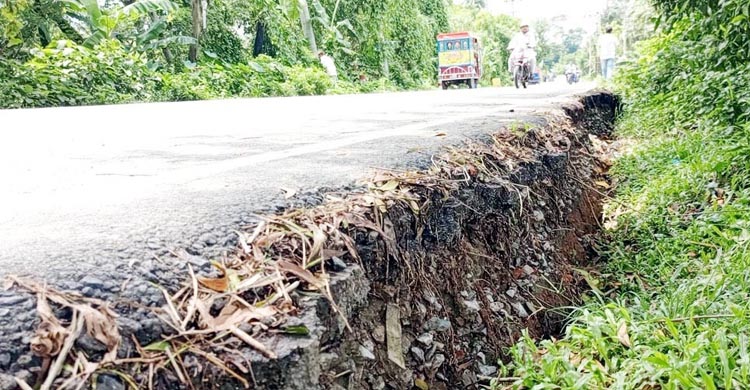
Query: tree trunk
<point>167,55</point>
<point>259,43</point>
<point>197,12</point>
<point>304,17</point>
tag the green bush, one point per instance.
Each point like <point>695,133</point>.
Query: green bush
<point>181,87</point>
<point>364,37</point>
<point>70,75</point>
<point>307,81</point>
<point>677,314</point>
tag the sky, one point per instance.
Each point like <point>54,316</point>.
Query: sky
<point>567,13</point>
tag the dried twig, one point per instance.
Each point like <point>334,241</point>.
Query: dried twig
<point>75,328</point>
<point>172,311</point>
<point>193,301</point>
<point>242,335</point>
<point>221,365</point>
<point>22,384</point>
<point>177,367</point>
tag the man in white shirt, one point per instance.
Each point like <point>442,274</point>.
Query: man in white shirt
<point>607,53</point>
<point>523,40</point>
<point>330,66</point>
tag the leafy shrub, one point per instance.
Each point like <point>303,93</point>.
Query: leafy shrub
<point>68,75</point>
<point>677,316</point>
<point>307,81</point>
<point>181,87</point>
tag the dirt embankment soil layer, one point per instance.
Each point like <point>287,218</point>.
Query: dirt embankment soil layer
<point>419,281</point>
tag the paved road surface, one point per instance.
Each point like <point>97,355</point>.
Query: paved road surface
<point>86,189</point>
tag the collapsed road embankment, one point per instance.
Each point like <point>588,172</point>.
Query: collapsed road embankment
<point>419,278</point>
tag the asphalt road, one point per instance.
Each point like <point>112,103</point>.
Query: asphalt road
<point>87,189</point>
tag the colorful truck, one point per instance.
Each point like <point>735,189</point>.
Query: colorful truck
<point>459,59</point>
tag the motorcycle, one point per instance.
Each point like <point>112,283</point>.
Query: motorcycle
<point>521,61</point>
<point>572,77</point>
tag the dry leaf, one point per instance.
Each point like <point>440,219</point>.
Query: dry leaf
<point>319,239</point>
<point>393,335</point>
<point>101,325</point>
<point>216,284</point>
<point>440,134</point>
<point>232,315</point>
<point>50,335</point>
<point>301,273</point>
<point>421,384</point>
<point>602,184</point>
<point>221,284</point>
<point>205,315</point>
<point>368,200</point>
<point>74,330</point>
<point>622,335</point>
<point>381,205</point>
<point>389,186</point>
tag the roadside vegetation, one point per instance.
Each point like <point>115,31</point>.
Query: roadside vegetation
<point>75,52</point>
<point>630,21</point>
<point>81,52</point>
<point>493,31</point>
<point>669,308</point>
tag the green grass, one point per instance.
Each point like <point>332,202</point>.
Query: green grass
<point>675,313</point>
<point>678,261</point>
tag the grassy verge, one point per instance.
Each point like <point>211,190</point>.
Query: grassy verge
<point>675,312</point>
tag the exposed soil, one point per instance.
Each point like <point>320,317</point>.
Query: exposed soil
<point>494,257</point>
<point>431,278</point>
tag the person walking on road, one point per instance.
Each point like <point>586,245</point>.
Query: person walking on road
<point>330,66</point>
<point>607,53</point>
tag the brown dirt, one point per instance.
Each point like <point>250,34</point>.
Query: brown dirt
<point>521,233</point>
<point>472,252</point>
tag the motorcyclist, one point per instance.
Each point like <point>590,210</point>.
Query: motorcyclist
<point>572,70</point>
<point>523,40</point>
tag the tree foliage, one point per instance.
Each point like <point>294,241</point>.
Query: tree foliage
<point>394,39</point>
<point>723,23</point>
<point>494,32</point>
<point>677,245</point>
<point>370,40</point>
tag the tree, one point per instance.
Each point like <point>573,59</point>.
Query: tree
<point>631,21</point>
<point>307,26</point>
<point>94,24</point>
<point>477,3</point>
<point>199,19</point>
<point>11,25</point>
<point>333,31</point>
<point>494,32</point>
<point>541,29</point>
<point>573,39</point>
